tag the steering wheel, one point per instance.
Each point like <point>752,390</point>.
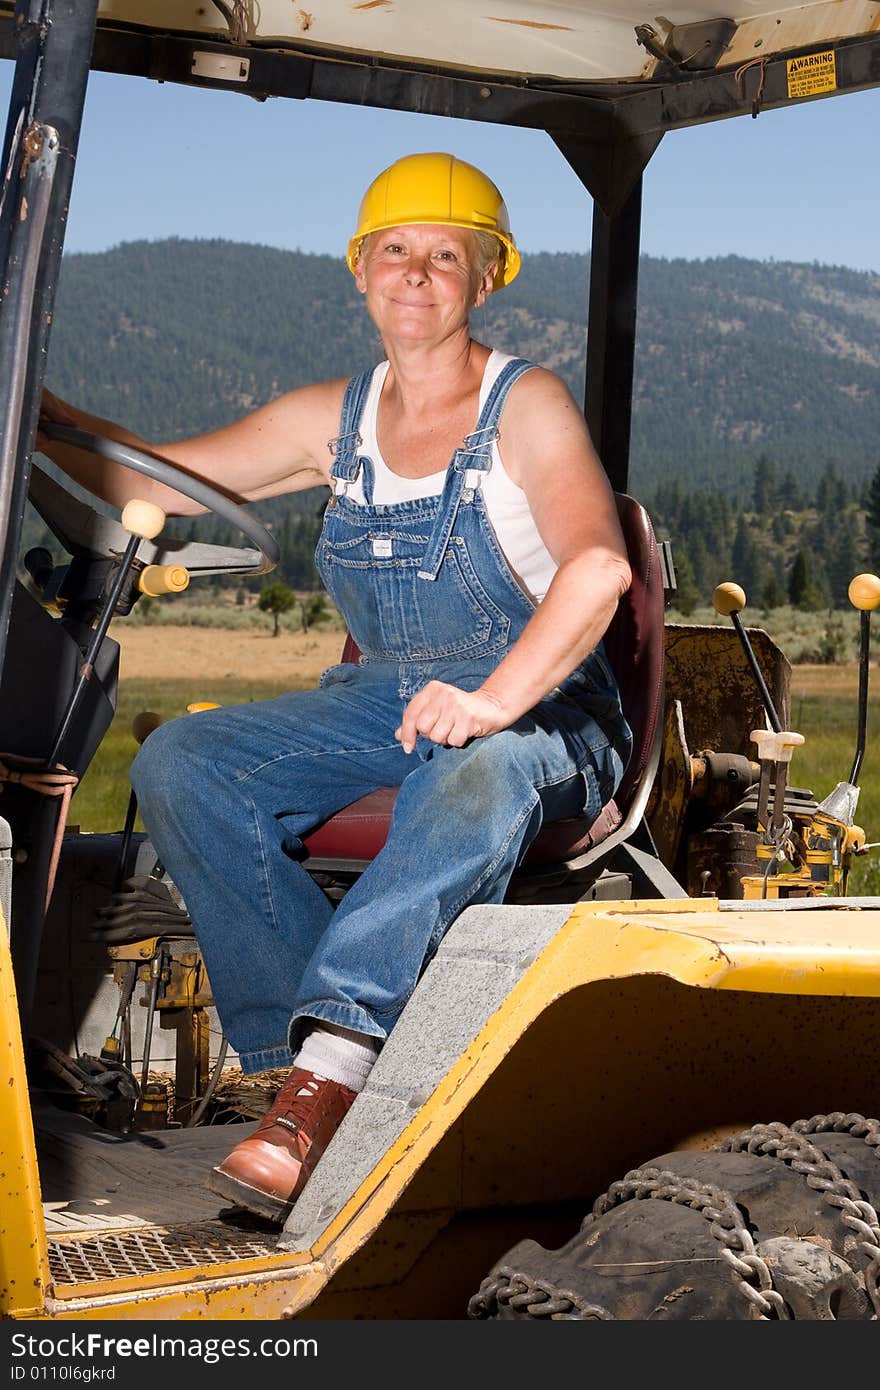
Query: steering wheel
<point>81,528</point>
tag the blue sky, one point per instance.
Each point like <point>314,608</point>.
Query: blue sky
<point>161,160</point>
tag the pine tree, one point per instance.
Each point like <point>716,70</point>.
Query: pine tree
<point>765,488</point>
<point>872,518</point>
<point>843,561</point>
<point>773,594</point>
<point>744,556</point>
<point>705,570</point>
<point>807,584</point>
<point>687,595</point>
<point>798,580</point>
<point>831,493</point>
<point>791,494</point>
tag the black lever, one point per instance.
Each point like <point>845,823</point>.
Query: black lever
<point>143,521</point>
<point>729,600</point>
<point>864,594</point>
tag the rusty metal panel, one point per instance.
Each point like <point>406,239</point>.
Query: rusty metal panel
<point>707,671</point>
<point>794,27</point>
<point>711,704</point>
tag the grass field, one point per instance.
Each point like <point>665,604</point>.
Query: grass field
<point>154,667</point>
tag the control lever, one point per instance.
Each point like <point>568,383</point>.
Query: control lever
<point>840,804</point>
<point>143,521</point>
<point>774,754</point>
<point>729,600</point>
<point>142,725</point>
<point>775,745</point>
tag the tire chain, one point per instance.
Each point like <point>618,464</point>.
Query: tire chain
<point>725,1222</point>
<point>791,1146</point>
<point>534,1297</point>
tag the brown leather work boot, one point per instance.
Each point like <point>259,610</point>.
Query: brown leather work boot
<point>266,1171</point>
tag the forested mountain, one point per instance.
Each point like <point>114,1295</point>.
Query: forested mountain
<point>734,358</point>
<point>737,361</point>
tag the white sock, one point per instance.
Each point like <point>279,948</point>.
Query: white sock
<point>339,1054</point>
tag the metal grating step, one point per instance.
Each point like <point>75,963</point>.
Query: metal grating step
<point>158,1250</point>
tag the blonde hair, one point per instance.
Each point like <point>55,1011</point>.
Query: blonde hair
<point>489,248</point>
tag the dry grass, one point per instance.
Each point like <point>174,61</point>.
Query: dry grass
<point>831,681</point>
<point>207,654</point>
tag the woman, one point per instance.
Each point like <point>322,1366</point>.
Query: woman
<point>471,542</point>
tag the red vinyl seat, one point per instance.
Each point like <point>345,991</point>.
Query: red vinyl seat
<point>634,644</point>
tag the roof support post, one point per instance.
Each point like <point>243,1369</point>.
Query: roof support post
<point>611,333</point>
<point>54,44</point>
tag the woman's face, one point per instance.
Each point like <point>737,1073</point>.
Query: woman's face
<point>420,281</point>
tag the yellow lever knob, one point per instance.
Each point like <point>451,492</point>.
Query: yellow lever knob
<point>728,598</point>
<point>163,579</point>
<point>144,723</point>
<point>864,592</point>
<point>143,519</point>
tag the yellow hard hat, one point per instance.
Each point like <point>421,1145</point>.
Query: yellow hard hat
<point>436,188</point>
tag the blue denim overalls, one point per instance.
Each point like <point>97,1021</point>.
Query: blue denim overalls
<point>228,794</point>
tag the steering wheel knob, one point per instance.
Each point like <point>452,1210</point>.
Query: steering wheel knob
<point>163,579</point>
<point>142,519</point>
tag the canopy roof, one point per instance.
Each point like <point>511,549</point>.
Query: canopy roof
<point>567,40</point>
<point>604,78</point>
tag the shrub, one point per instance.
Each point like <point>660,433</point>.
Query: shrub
<point>276,599</point>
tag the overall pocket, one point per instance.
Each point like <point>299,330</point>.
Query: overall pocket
<point>392,613</point>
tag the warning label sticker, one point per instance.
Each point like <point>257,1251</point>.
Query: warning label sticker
<point>809,76</point>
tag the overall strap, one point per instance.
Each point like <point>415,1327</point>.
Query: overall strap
<point>469,462</point>
<point>344,448</point>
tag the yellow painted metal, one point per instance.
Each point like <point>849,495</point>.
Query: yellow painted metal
<point>247,1294</point>
<point>642,996</point>
<point>691,942</point>
<point>820,951</point>
<point>609,1076</point>
<point>673,786</point>
<point>24,1268</point>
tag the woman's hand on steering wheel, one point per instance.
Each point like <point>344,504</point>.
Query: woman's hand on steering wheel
<point>54,409</point>
<point>68,430</point>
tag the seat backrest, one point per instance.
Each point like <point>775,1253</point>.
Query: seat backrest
<point>634,642</point>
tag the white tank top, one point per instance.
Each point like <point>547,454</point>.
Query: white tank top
<point>506,504</point>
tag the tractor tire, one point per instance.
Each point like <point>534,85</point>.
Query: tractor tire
<point>778,1222</point>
